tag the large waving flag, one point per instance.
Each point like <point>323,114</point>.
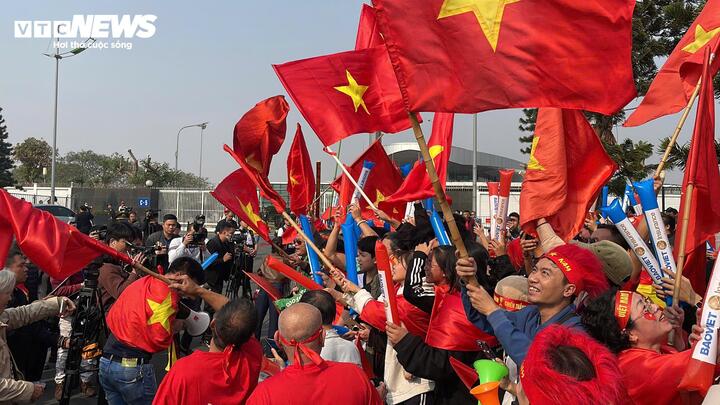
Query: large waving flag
<point>57,248</point>
<point>237,192</point>
<point>701,170</point>
<point>676,81</point>
<point>384,177</point>
<point>301,181</point>
<point>346,93</point>
<point>567,168</point>
<point>368,34</point>
<point>143,315</point>
<point>259,180</point>
<point>417,185</point>
<point>261,132</point>
<point>467,56</point>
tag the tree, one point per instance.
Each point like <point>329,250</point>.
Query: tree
<point>33,154</point>
<point>630,158</point>
<point>527,124</point>
<point>6,163</point>
<point>679,153</point>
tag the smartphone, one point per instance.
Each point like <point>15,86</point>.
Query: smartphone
<point>267,344</point>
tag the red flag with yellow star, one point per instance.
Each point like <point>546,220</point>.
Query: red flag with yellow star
<point>238,194</point>
<point>467,56</point>
<point>671,89</point>
<point>55,247</point>
<point>383,180</point>
<point>417,185</point>
<point>346,93</point>
<point>301,180</point>
<point>567,168</point>
<point>143,315</point>
<point>260,133</point>
<point>368,34</point>
<point>260,181</point>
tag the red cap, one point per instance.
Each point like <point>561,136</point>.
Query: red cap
<point>580,267</point>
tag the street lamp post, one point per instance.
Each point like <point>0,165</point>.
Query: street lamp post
<point>202,129</point>
<point>57,56</point>
<point>177,140</point>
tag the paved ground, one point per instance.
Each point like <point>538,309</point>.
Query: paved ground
<point>159,361</point>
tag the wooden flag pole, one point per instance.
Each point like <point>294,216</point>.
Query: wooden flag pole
<point>439,193</point>
<point>683,241</point>
<point>676,133</point>
<point>352,180</point>
<point>280,250</point>
<point>138,266</point>
<point>309,242</point>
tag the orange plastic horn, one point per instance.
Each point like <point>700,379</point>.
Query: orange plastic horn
<point>487,393</point>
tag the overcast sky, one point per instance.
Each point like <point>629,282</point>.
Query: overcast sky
<point>208,61</point>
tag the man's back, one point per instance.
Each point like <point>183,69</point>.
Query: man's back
<point>328,383</point>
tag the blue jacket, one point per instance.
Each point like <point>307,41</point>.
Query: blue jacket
<point>516,330</point>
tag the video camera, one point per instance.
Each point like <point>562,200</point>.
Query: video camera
<point>198,227</point>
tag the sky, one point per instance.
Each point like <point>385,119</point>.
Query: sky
<point>207,61</point>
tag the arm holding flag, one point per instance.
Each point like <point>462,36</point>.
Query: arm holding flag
<point>183,283</point>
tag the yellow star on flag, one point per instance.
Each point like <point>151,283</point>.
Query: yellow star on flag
<point>249,212</point>
<point>436,150</point>
<point>293,180</point>
<point>162,311</point>
<point>379,197</point>
<point>533,163</point>
<point>355,91</point>
<point>702,37</point>
<point>489,14</point>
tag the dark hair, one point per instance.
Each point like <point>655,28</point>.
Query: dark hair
<point>12,254</point>
<point>669,220</point>
<point>119,230</point>
<point>169,217</point>
<point>615,235</point>
<point>323,301</point>
<point>235,323</point>
<point>671,210</point>
<point>189,266</point>
<point>225,225</point>
<point>514,214</point>
<point>481,256</point>
<point>367,244</point>
<point>598,317</point>
<point>572,362</point>
<point>446,260</point>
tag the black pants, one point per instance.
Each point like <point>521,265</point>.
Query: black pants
<point>426,398</point>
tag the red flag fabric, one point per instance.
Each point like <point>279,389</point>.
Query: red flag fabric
<point>346,93</point>
<point>567,169</point>
<point>289,236</point>
<point>237,193</point>
<point>384,178</point>
<point>265,284</point>
<point>467,56</point>
<point>671,89</point>
<point>143,315</point>
<point>301,180</point>
<point>260,180</point>
<point>701,170</point>
<point>368,34</point>
<point>57,248</point>
<point>417,185</point>
<point>291,273</point>
<point>467,374</point>
<point>261,132</point>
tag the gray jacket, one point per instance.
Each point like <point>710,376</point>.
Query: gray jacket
<point>14,391</point>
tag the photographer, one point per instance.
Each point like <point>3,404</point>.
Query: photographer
<point>229,218</point>
<point>113,279</point>
<point>191,245</point>
<point>150,223</point>
<point>83,219</point>
<point>162,238</point>
<point>221,244</point>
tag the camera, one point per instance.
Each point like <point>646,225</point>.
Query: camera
<point>199,231</point>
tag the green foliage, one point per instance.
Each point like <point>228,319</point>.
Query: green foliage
<point>630,158</point>
<point>32,154</point>
<point>679,153</point>
<point>6,163</point>
<point>527,124</point>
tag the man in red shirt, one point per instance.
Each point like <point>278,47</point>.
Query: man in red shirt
<point>228,372</point>
<point>309,379</point>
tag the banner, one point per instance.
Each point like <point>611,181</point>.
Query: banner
<point>494,194</point>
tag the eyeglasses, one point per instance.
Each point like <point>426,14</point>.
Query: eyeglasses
<point>649,309</point>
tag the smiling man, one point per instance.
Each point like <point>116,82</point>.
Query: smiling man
<point>556,280</point>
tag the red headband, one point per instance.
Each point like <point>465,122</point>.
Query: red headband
<point>623,303</point>
<point>300,347</point>
<point>509,303</point>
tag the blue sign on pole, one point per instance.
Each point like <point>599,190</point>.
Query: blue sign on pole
<point>143,202</point>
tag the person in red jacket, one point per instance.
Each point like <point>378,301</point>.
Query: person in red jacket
<point>228,372</point>
<point>309,379</point>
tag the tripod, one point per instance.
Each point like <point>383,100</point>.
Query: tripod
<point>87,333</point>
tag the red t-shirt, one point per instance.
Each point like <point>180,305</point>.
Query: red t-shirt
<point>224,378</point>
<point>328,383</point>
<point>652,378</point>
